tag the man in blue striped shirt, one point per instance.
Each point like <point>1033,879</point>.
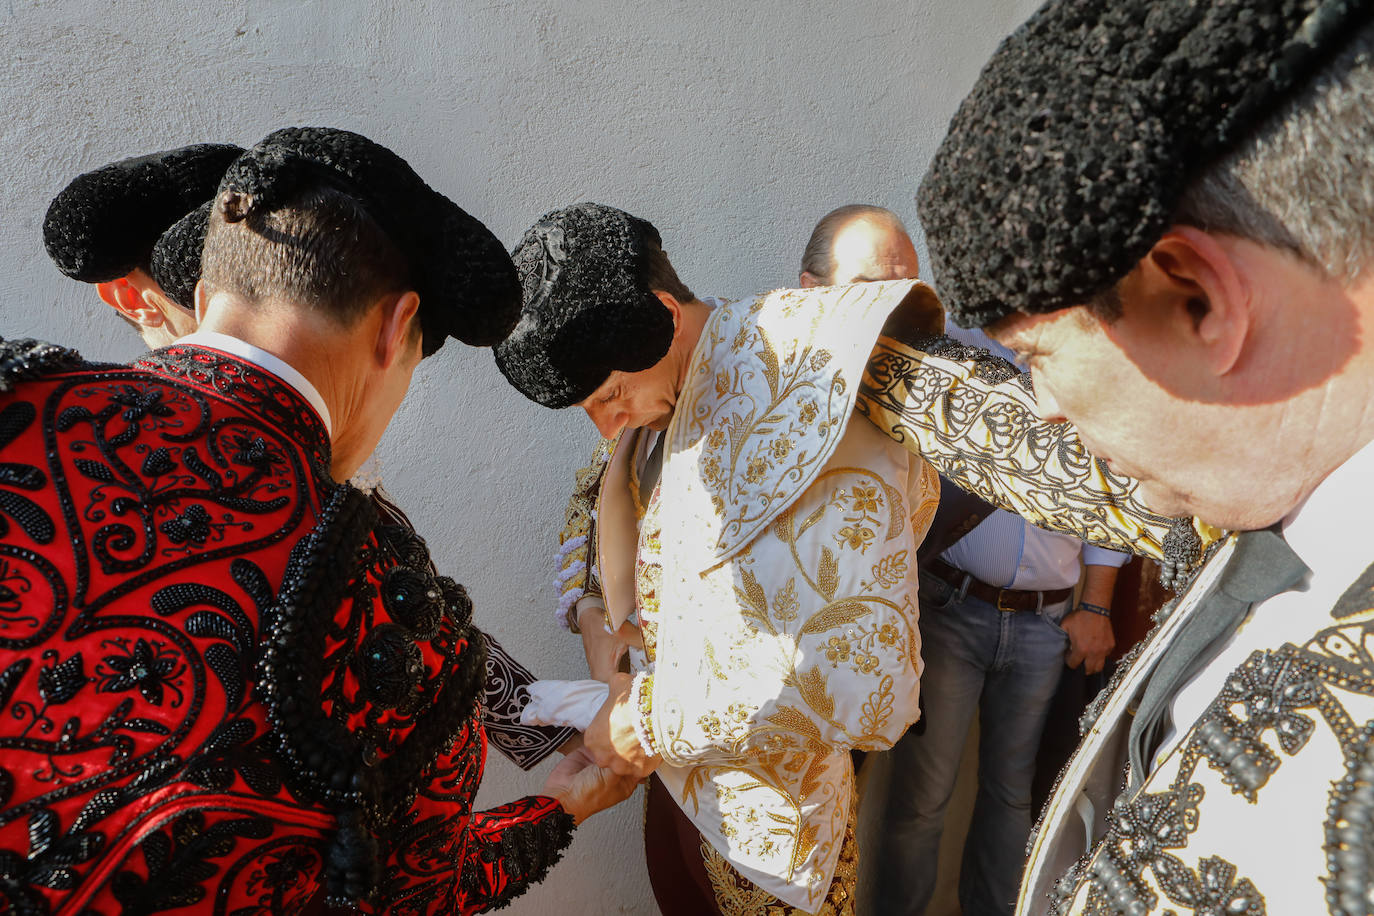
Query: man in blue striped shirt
<point>997,628</point>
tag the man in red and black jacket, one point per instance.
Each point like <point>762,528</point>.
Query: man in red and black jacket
<point>225,683</point>
<point>101,229</point>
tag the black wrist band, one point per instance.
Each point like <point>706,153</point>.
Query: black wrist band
<point>1097,609</point>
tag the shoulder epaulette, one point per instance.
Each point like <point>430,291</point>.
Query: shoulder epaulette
<point>27,358</point>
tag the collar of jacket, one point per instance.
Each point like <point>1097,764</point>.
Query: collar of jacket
<point>769,392</point>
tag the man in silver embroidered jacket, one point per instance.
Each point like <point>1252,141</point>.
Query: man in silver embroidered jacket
<point>1167,209</point>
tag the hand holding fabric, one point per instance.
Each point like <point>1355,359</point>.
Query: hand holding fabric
<point>583,788</point>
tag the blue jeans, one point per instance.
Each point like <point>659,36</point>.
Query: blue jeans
<point>1007,666</point>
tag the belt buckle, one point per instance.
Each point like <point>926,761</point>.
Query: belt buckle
<point>1000,606</point>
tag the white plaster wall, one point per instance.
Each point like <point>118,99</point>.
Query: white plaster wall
<point>731,125</point>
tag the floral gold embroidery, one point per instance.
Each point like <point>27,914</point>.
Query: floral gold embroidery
<point>737,896</point>
<point>785,604</point>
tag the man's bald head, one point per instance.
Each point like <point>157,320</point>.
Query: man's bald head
<point>858,243</point>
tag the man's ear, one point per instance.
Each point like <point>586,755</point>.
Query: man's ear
<point>673,306</point>
<point>1191,280</point>
<point>124,297</point>
<point>396,333</point>
<point>202,299</point>
<point>808,280</point>
<point>158,300</point>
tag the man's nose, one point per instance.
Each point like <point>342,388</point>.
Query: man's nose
<point>608,419</point>
<point>1046,407</point>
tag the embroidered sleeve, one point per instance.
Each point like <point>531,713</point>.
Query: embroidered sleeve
<point>511,848</point>
<point>576,560</point>
<point>505,695</point>
<point>972,415</point>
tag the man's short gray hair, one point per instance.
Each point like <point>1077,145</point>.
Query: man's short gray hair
<point>1304,181</point>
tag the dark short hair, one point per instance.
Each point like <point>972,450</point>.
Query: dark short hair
<point>1299,182</point>
<point>320,249</point>
<point>818,258</point>
<point>660,275</point>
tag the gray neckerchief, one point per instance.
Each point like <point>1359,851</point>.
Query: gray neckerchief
<point>1262,566</point>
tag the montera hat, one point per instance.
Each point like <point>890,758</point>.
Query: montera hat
<point>1067,161</point>
<point>464,278</point>
<point>588,309</point>
<point>104,224</point>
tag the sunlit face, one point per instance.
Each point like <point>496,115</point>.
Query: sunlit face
<point>867,250</point>
<point>1090,374</point>
<point>632,400</point>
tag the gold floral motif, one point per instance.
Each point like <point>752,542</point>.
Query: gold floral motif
<point>855,537</point>
<point>742,336</point>
<point>837,650</point>
<point>864,662</point>
<point>785,604</point>
<point>751,443</point>
<point>827,574</point>
<point>710,468</point>
<point>891,570</point>
<point>877,710</point>
<point>736,895</point>
<point>866,500</point>
<point>839,613</point>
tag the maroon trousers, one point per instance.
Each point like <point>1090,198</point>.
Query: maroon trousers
<point>683,886</point>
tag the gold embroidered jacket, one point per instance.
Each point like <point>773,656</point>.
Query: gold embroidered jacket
<point>773,578</point>
<point>970,414</point>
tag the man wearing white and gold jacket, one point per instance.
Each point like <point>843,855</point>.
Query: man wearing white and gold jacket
<point>762,569</point>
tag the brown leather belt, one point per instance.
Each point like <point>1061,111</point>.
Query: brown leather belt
<point>1004,599</point>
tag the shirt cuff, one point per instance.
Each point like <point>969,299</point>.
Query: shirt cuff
<point>1101,556</point>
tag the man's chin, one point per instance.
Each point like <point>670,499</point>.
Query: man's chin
<point>1165,500</point>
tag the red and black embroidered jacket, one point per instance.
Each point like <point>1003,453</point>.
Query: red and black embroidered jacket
<point>224,682</point>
